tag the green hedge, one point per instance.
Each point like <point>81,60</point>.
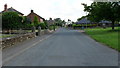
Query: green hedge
<point>80,25</point>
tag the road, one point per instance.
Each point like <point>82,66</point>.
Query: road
<point>63,48</point>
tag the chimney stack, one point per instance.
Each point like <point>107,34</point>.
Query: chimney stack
<point>5,7</point>
<point>50,18</point>
<point>31,11</point>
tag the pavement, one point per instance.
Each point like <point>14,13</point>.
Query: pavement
<point>65,47</point>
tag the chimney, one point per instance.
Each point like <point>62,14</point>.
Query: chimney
<point>5,7</point>
<point>50,18</point>
<point>31,11</point>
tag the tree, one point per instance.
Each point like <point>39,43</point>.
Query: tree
<point>46,24</point>
<point>26,23</point>
<point>58,21</point>
<point>36,22</point>
<point>103,11</point>
<point>81,18</point>
<point>42,25</point>
<point>11,20</point>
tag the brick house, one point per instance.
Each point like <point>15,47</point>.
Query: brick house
<point>11,10</point>
<point>32,15</point>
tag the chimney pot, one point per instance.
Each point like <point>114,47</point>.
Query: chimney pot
<point>31,11</point>
<point>5,7</point>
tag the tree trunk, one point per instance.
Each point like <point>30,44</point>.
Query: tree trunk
<point>113,25</point>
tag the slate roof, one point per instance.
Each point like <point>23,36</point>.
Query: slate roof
<point>12,10</point>
<point>104,21</point>
<point>83,21</point>
<point>50,22</point>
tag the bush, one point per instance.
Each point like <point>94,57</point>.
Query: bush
<point>42,25</point>
<point>11,20</point>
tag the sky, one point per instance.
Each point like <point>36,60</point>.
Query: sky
<point>64,9</point>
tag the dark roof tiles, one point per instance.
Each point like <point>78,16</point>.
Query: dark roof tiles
<point>12,10</point>
<point>83,21</point>
<point>104,21</point>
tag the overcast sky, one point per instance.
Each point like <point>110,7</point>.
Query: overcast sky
<point>64,9</point>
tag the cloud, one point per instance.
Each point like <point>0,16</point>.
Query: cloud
<point>65,9</point>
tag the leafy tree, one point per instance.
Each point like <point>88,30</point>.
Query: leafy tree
<point>11,20</point>
<point>59,22</point>
<point>103,11</point>
<point>46,24</point>
<point>26,23</point>
<point>81,18</point>
<point>42,25</point>
<point>36,22</point>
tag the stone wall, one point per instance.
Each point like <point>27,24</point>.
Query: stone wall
<point>6,42</point>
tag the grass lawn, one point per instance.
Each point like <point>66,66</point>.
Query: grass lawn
<point>106,36</point>
<point>5,36</point>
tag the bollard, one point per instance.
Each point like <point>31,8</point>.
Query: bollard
<point>33,29</point>
<point>39,31</point>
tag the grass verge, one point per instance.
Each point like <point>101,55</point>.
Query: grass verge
<point>106,36</point>
<point>5,36</point>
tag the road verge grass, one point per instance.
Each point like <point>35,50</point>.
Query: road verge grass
<point>106,36</point>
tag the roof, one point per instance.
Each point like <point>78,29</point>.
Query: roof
<point>83,21</point>
<point>35,15</point>
<point>50,21</point>
<point>38,15</point>
<point>12,10</point>
<point>104,21</point>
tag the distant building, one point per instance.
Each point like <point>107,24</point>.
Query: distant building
<point>10,10</point>
<point>84,21</point>
<point>32,15</point>
<point>101,23</point>
<point>104,22</point>
<point>69,22</point>
<point>50,22</point>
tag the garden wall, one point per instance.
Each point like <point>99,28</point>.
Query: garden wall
<point>6,42</point>
<point>10,41</point>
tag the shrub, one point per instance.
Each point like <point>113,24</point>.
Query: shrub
<point>42,25</point>
<point>11,20</point>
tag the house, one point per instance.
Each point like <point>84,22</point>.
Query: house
<point>104,22</point>
<point>32,15</point>
<point>50,22</point>
<point>69,22</point>
<point>11,10</point>
<point>84,21</point>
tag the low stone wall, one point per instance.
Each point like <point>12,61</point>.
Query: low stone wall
<point>6,42</point>
<point>43,32</point>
